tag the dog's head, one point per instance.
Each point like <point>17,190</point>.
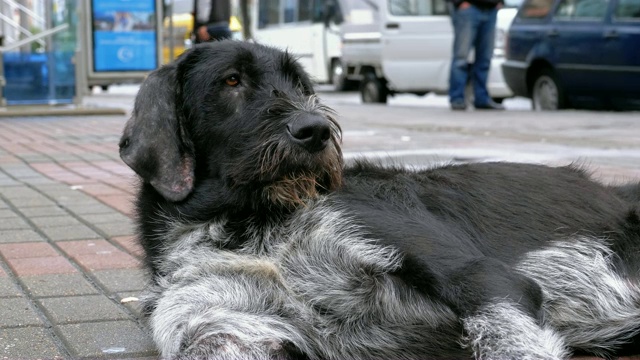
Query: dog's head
<point>241,113</point>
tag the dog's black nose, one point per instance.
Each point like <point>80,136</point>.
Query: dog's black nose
<point>310,131</point>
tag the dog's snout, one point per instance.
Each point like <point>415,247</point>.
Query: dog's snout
<point>310,131</point>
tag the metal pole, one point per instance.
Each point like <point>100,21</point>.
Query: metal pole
<point>79,58</point>
<point>24,24</point>
<point>172,41</point>
<point>49,50</point>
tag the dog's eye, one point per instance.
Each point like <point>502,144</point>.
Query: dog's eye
<point>232,80</point>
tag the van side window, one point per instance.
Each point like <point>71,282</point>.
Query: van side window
<point>628,10</point>
<point>535,9</point>
<point>297,10</point>
<point>417,7</point>
<point>581,9</point>
<point>304,11</point>
<point>268,13</point>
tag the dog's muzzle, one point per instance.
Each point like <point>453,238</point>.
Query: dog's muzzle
<point>310,131</point>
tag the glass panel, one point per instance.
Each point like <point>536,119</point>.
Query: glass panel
<point>410,7</point>
<point>45,77</point>
<point>274,12</point>
<point>581,9</point>
<point>536,9</point>
<point>628,10</point>
<point>304,11</point>
<point>290,10</point>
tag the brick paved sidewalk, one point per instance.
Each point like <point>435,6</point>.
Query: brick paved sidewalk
<point>67,256</point>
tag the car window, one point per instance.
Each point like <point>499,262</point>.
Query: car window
<point>628,10</point>
<point>581,9</point>
<point>512,3</point>
<point>536,9</point>
<point>417,7</point>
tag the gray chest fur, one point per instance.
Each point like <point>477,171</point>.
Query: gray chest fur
<point>315,282</point>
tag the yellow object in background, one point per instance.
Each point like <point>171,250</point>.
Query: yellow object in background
<point>182,29</point>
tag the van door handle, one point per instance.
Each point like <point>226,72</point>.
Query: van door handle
<point>393,26</point>
<point>553,33</point>
<point>610,34</point>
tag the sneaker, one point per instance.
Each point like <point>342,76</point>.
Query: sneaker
<point>491,105</point>
<point>458,106</point>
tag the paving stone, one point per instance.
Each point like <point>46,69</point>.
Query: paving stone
<point>28,343</point>
<point>33,158</point>
<point>53,189</point>
<point>8,182</point>
<point>92,157</point>
<point>62,157</point>
<point>7,213</point>
<point>32,202</point>
<point>97,208</point>
<point>12,236</point>
<point>53,221</point>
<point>116,229</point>
<point>18,192</point>
<point>63,233</point>
<point>75,199</point>
<point>86,247</point>
<point>129,243</point>
<point>27,250</point>
<point>115,260</point>
<point>41,266</point>
<point>8,288</point>
<point>121,280</point>
<point>43,211</point>
<point>41,180</point>
<point>17,312</point>
<point>114,217</point>
<point>75,309</point>
<point>118,338</point>
<point>13,224</point>
<point>58,285</point>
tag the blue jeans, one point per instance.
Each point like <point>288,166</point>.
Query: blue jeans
<point>473,27</point>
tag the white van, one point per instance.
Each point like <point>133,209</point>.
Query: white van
<point>309,29</point>
<point>404,46</point>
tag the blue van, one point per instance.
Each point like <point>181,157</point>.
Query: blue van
<point>575,53</point>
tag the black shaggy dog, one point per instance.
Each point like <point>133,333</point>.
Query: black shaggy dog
<point>261,244</point>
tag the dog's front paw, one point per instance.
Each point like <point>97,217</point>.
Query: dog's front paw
<point>229,347</point>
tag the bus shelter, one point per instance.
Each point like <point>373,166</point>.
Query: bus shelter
<point>54,50</point>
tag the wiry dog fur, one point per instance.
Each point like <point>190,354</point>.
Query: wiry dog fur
<point>260,244</point>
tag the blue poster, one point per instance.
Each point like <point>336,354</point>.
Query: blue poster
<point>124,35</point>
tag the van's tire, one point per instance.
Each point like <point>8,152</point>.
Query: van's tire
<point>547,93</point>
<point>339,77</point>
<point>373,90</point>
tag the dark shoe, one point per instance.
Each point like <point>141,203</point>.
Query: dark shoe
<point>489,106</point>
<point>458,106</point>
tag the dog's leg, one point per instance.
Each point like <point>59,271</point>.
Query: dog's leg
<point>222,317</point>
<point>501,313</point>
<point>594,306</point>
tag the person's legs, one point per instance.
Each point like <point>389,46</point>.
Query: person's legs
<point>483,45</point>
<point>464,24</point>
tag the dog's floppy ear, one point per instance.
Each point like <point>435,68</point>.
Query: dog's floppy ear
<point>153,142</point>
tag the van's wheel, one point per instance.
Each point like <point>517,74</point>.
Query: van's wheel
<point>547,93</point>
<point>339,77</point>
<point>373,90</point>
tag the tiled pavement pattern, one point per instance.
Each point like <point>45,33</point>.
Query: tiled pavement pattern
<point>67,255</point>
